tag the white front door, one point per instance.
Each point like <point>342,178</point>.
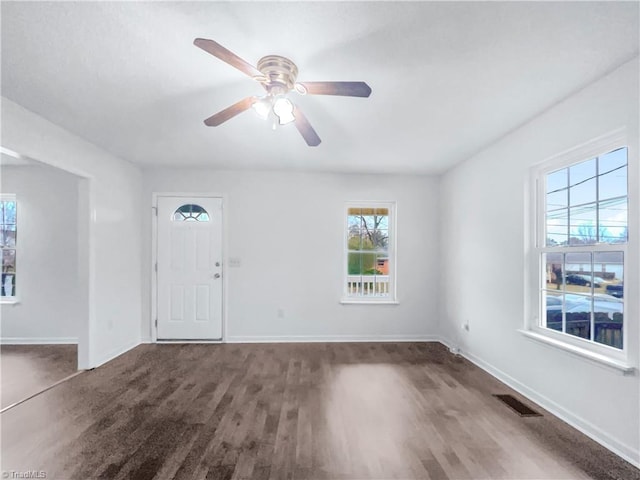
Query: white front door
<point>189,268</point>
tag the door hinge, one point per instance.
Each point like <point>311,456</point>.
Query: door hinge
<point>156,323</point>
<point>155,210</point>
<point>156,267</point>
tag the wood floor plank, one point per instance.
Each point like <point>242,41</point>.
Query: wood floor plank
<point>26,370</point>
<point>293,411</point>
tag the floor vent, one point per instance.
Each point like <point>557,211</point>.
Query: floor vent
<point>519,407</point>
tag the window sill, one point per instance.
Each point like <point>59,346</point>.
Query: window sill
<point>9,301</point>
<point>358,301</point>
<point>619,365</point>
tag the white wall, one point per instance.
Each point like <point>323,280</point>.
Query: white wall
<point>47,261</point>
<point>484,228</point>
<point>113,288</point>
<point>277,222</point>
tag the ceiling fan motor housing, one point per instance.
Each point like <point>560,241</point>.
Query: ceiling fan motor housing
<point>280,72</point>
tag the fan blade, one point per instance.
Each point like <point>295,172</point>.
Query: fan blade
<point>217,50</point>
<point>230,112</point>
<point>304,127</point>
<point>347,89</point>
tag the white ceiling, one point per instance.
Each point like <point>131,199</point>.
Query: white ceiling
<point>448,78</point>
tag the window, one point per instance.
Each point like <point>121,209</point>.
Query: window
<point>8,217</point>
<point>369,253</point>
<point>190,213</point>
<point>581,248</point>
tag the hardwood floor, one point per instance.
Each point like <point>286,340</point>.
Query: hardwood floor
<point>293,411</point>
<point>29,369</point>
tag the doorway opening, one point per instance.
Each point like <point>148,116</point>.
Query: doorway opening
<point>44,296</point>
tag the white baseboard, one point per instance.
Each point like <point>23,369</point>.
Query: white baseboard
<point>622,450</point>
<point>448,344</point>
<point>330,338</point>
<point>116,352</point>
<point>38,341</point>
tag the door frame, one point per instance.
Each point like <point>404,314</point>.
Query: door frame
<point>154,259</point>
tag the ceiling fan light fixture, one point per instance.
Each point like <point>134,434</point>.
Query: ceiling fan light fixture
<point>283,108</point>
<point>262,107</point>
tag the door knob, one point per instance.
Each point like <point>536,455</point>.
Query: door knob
<point>217,275</point>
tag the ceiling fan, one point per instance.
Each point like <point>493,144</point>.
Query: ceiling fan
<point>278,77</point>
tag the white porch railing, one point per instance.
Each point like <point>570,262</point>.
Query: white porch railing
<point>368,285</point>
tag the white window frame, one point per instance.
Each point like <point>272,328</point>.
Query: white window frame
<point>347,297</point>
<point>613,357</point>
<point>7,197</point>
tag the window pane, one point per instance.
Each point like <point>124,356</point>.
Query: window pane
<point>578,316</point>
<point>9,212</point>
<point>608,307</point>
<point>613,220</point>
<point>554,268</point>
<point>8,285</point>
<point>557,223</point>
<point>583,225</point>
<point>382,264</point>
<point>355,263</point>
<point>354,284</point>
<point>361,263</point>
<point>368,222</point>
<point>612,160</point>
<point>557,180</point>
<point>608,320</point>
<point>557,199</point>
<point>609,266</point>
<point>8,234</point>
<point>582,171</point>
<point>8,261</point>
<point>191,213</point>
<point>380,240</point>
<point>367,240</point>
<point>354,221</point>
<point>354,239</point>
<point>583,193</point>
<point>382,218</point>
<point>552,301</point>
<point>613,184</point>
<point>368,263</point>
<point>578,274</point>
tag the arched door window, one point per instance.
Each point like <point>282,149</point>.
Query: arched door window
<point>190,213</point>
